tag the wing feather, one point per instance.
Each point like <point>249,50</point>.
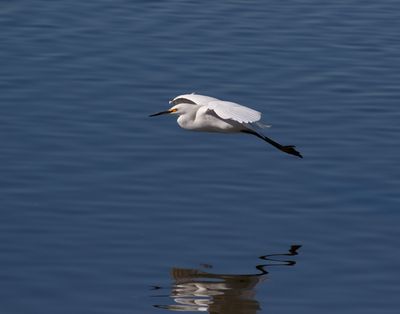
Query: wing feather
<point>233,111</point>
<point>197,99</point>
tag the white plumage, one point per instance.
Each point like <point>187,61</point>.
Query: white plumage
<point>233,111</point>
<point>224,109</point>
<point>205,113</point>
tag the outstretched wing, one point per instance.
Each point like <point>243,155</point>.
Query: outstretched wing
<point>192,99</point>
<point>233,111</point>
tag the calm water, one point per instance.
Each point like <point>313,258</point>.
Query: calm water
<point>104,210</point>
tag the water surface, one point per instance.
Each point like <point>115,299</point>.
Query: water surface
<point>99,203</point>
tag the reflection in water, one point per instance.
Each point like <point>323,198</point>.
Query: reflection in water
<point>195,290</point>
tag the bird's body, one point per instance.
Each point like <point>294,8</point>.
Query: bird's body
<point>209,114</point>
<point>205,120</point>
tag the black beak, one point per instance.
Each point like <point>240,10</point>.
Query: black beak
<point>159,113</point>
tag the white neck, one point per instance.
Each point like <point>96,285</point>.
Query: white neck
<point>186,121</point>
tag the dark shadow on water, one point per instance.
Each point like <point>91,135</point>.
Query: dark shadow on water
<point>200,291</point>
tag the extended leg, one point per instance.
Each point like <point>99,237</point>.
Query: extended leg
<point>289,149</point>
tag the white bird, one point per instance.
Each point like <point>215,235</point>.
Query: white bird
<point>204,113</point>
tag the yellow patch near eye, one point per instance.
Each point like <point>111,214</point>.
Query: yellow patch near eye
<point>173,110</point>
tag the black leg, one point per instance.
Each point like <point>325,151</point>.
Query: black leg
<point>289,149</point>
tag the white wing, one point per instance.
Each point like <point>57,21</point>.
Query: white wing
<point>197,99</point>
<point>233,111</point>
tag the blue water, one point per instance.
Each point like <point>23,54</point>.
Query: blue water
<point>104,210</point>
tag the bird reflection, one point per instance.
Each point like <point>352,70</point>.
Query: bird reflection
<point>196,290</point>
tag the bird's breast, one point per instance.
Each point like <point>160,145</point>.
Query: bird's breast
<point>206,122</point>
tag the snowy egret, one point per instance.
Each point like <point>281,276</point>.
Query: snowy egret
<point>209,114</point>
